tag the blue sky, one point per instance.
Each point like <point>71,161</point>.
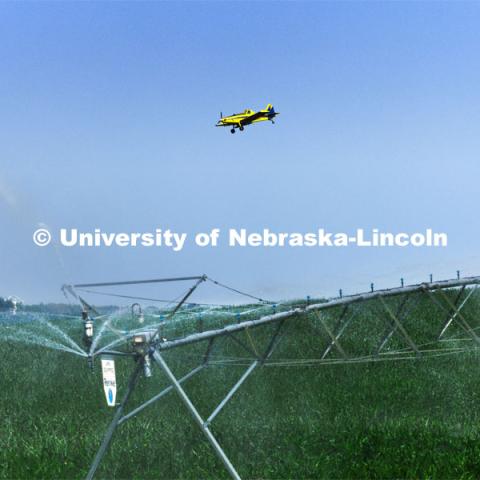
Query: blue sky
<point>108,113</point>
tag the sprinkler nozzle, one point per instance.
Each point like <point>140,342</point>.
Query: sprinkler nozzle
<point>90,362</point>
<point>87,328</point>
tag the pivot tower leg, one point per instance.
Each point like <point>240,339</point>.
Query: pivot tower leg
<point>201,423</point>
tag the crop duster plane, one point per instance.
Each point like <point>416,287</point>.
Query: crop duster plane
<point>239,120</point>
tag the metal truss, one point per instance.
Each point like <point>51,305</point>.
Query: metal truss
<point>343,311</point>
<point>176,384</point>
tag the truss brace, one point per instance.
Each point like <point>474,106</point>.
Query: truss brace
<point>340,328</point>
<point>400,326</point>
<point>400,314</point>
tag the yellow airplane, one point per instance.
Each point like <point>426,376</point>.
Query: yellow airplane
<point>239,120</point>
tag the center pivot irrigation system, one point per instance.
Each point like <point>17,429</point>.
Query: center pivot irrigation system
<point>395,310</point>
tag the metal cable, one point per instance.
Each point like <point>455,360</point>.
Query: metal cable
<point>240,292</point>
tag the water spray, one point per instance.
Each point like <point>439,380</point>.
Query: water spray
<point>88,323</point>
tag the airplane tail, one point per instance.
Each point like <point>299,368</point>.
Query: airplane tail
<point>270,111</point>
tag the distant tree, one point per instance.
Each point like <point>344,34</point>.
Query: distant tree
<point>5,304</point>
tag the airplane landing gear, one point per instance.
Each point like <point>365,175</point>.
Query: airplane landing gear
<point>241,128</point>
<point>232,130</point>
